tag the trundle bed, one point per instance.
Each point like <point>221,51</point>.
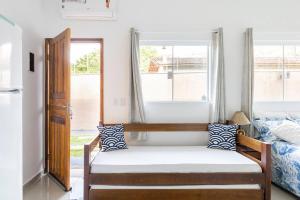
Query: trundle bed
<point>178,172</point>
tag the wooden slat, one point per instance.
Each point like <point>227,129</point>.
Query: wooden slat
<point>86,40</point>
<point>178,194</point>
<point>86,174</point>
<point>249,142</point>
<point>46,83</point>
<point>176,179</point>
<point>88,148</point>
<point>266,165</point>
<point>102,81</point>
<point>165,127</point>
<point>94,143</point>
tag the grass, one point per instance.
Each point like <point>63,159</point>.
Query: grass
<point>77,142</point>
<point>76,152</point>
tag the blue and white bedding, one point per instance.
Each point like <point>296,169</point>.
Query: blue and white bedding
<point>285,156</point>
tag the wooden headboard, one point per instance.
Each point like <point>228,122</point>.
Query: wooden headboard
<point>165,127</point>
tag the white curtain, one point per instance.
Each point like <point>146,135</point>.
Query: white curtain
<point>137,102</point>
<point>217,79</point>
<point>248,79</point>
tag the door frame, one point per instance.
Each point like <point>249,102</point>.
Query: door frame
<point>46,84</point>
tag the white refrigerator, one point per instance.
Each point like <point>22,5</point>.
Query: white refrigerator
<point>11,180</point>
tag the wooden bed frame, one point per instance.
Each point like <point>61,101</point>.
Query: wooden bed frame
<point>253,149</point>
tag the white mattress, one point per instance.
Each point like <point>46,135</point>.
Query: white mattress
<point>187,187</point>
<point>172,159</point>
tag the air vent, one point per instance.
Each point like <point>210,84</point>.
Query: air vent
<point>89,9</point>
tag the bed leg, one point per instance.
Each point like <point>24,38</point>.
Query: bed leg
<point>266,163</point>
<point>86,180</point>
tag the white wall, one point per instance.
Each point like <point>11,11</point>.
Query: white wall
<point>177,16</point>
<point>28,15</point>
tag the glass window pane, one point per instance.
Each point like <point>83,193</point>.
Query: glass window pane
<point>183,66</point>
<point>155,63</point>
<point>268,73</point>
<point>156,87</point>
<point>190,86</point>
<point>156,59</point>
<point>268,57</point>
<point>268,86</point>
<point>292,85</point>
<point>292,57</point>
<point>292,72</point>
<point>190,58</point>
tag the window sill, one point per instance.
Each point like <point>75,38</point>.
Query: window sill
<point>176,102</point>
<point>276,102</point>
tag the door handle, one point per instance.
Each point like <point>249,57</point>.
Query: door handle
<point>68,108</point>
<point>70,111</point>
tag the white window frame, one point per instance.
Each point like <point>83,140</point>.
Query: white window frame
<point>276,43</point>
<point>182,43</point>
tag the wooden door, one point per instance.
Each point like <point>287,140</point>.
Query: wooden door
<point>58,115</point>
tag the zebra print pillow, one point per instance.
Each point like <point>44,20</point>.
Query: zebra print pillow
<point>222,136</point>
<point>112,137</point>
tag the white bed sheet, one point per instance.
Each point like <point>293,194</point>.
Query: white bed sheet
<point>172,159</point>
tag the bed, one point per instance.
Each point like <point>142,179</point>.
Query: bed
<point>178,172</point>
<point>285,156</point>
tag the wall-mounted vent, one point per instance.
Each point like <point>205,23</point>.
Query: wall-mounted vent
<point>89,9</point>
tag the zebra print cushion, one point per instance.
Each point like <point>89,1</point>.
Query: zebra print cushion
<point>112,137</point>
<point>222,136</point>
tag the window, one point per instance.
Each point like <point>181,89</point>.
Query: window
<point>174,72</point>
<point>277,72</point>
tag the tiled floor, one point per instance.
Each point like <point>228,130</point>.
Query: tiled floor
<point>47,189</point>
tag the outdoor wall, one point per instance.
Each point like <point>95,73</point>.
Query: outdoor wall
<point>85,102</point>
<point>28,15</point>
